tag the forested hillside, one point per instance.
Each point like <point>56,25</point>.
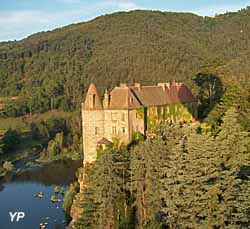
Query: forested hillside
<point>52,70</point>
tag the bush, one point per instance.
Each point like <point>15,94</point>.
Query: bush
<point>8,166</point>
<point>10,139</point>
<point>69,197</point>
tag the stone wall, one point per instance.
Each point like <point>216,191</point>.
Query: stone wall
<point>136,121</point>
<point>93,131</point>
<point>116,125</point>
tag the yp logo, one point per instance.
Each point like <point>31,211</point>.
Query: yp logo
<point>16,216</point>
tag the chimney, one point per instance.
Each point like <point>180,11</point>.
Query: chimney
<point>168,85</point>
<point>106,101</point>
<point>123,85</point>
<point>163,85</point>
<point>178,86</point>
<point>138,85</point>
<point>172,83</point>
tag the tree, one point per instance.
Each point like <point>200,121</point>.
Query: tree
<point>234,154</point>
<point>10,140</point>
<point>105,200</point>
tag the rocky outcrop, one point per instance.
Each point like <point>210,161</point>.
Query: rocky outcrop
<point>76,210</point>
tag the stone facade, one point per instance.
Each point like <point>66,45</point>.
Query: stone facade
<point>136,109</point>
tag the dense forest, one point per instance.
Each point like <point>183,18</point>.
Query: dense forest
<point>52,70</point>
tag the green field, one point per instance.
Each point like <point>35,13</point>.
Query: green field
<point>13,123</point>
<point>22,123</point>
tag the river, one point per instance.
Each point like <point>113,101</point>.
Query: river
<point>17,195</point>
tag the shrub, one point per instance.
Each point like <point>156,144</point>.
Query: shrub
<point>8,166</point>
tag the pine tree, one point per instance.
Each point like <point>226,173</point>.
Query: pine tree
<point>234,155</point>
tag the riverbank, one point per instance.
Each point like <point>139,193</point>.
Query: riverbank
<point>18,191</point>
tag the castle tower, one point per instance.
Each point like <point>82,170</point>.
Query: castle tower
<point>92,123</point>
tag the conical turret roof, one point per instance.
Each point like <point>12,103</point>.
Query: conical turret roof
<point>92,100</point>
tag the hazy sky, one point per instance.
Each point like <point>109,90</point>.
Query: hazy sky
<point>20,18</point>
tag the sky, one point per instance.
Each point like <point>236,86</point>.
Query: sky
<point>21,18</point>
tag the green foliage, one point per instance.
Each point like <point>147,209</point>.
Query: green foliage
<point>105,201</point>
<point>2,172</point>
<point>182,178</point>
<point>47,129</point>
<point>8,166</point>
<point>10,139</point>
<point>31,164</point>
<point>52,70</point>
<point>69,196</point>
<point>64,135</point>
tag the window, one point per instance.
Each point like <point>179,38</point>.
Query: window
<point>96,130</point>
<point>114,116</point>
<point>94,101</point>
<point>123,117</point>
<point>166,110</point>
<point>158,110</point>
<point>123,130</point>
<point>114,130</point>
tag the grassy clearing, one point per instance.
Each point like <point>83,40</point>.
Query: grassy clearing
<point>22,123</point>
<point>47,115</point>
<point>5,99</point>
<point>13,123</point>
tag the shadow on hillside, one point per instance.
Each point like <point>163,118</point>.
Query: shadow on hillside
<point>209,94</point>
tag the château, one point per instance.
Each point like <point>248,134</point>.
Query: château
<point>128,110</point>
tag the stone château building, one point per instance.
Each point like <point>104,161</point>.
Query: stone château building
<point>126,110</point>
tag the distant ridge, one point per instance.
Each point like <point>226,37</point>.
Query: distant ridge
<point>142,46</point>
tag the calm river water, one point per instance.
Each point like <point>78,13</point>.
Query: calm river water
<point>17,195</point>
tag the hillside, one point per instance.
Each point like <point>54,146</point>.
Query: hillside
<point>53,69</point>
